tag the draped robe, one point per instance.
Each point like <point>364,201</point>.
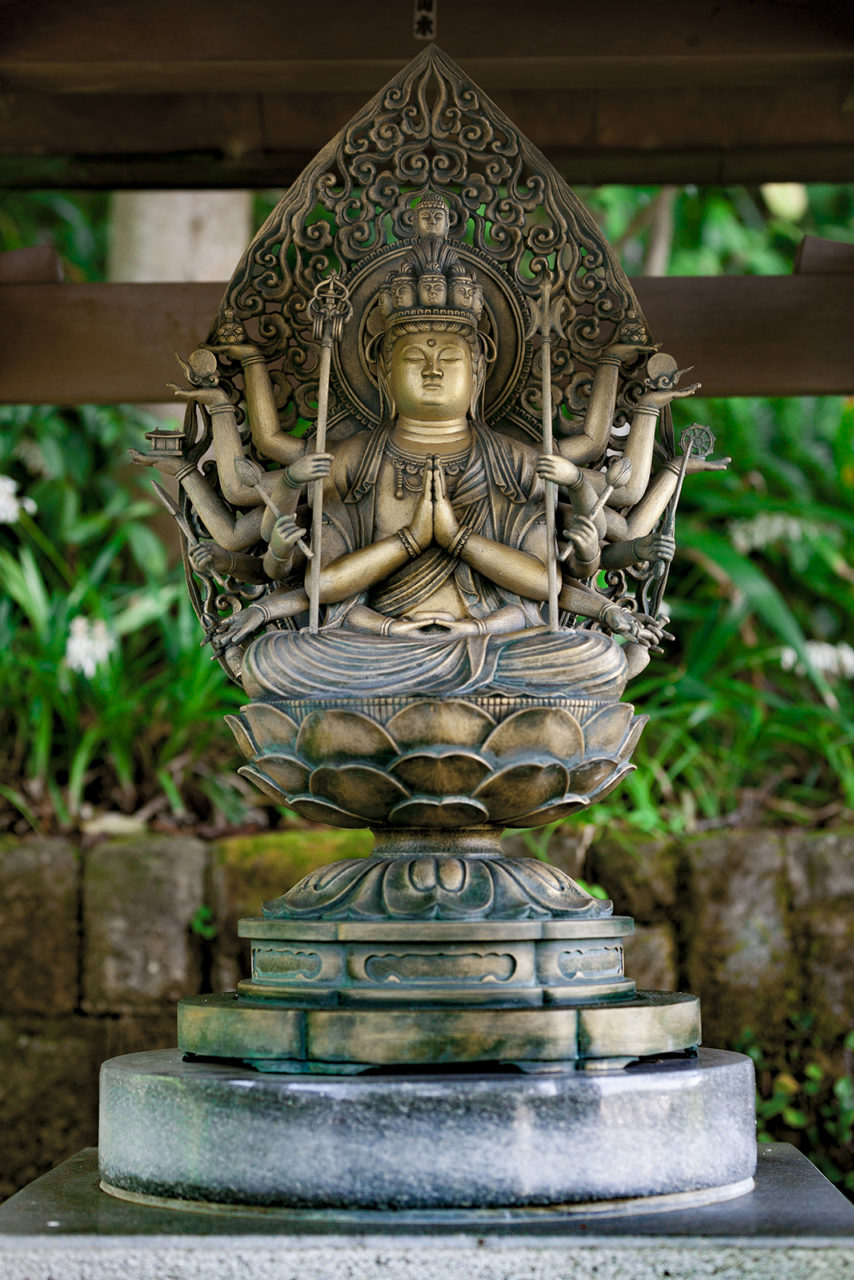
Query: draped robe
<point>499,496</point>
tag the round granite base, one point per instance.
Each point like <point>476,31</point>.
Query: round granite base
<point>205,1132</point>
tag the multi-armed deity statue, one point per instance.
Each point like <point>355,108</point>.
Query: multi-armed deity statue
<point>428,483</point>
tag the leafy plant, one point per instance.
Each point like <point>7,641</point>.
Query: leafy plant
<point>803,1097</point>
<point>135,727</point>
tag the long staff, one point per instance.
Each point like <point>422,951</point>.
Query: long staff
<point>700,442</point>
<point>546,320</point>
<point>329,308</point>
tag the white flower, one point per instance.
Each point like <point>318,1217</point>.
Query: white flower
<point>836,661</point>
<point>10,504</point>
<point>32,456</point>
<point>773,527</point>
<point>88,645</point>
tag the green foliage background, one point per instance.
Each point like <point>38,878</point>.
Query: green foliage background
<point>733,736</point>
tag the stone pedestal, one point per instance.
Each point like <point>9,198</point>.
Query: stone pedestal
<point>793,1225</point>
<point>203,1132</point>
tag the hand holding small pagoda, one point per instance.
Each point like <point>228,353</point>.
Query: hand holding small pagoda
<point>167,463</point>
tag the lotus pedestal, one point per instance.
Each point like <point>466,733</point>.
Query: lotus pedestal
<point>436,1024</point>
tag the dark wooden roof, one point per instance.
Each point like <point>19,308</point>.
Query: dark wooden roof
<point>156,94</point>
<point>160,94</point>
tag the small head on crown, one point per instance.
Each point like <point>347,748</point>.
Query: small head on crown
<point>432,217</point>
<point>431,285</point>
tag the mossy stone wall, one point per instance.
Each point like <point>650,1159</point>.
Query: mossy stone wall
<point>98,943</point>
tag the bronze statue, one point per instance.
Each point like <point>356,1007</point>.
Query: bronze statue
<point>431,342</point>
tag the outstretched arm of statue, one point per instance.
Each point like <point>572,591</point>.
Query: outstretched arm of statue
<point>226,440</point>
<point>636,628</point>
<point>234,533</point>
<point>269,438</point>
<point>592,442</point>
<point>643,518</point>
<point>514,569</point>
<point>357,570</point>
<point>641,438</point>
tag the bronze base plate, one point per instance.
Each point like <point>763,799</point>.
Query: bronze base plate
<point>278,1037</point>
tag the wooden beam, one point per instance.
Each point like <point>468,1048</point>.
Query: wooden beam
<point>180,96</point>
<point>114,343</point>
<point>40,264</point>
<point>122,46</point>
<point>712,136</point>
<point>825,257</point>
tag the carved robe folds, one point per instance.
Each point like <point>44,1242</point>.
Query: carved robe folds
<point>498,495</point>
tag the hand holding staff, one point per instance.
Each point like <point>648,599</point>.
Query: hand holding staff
<point>249,473</point>
<point>329,308</point>
<point>699,441</point>
<point>546,320</point>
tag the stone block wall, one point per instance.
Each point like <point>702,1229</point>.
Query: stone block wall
<point>97,944</point>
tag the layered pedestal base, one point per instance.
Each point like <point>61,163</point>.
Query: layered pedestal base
<point>346,1040</point>
<point>204,1132</point>
<point>331,996</point>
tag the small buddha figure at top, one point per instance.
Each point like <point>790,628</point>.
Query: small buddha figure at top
<point>432,218</point>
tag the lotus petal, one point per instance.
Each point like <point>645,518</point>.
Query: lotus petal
<point>269,726</point>
<point>627,749</point>
<point>543,731</point>
<point>242,736</point>
<point>357,788</point>
<point>605,731</point>
<point>605,788</point>
<point>446,812</point>
<point>519,787</point>
<point>263,783</point>
<point>328,736</point>
<point>550,812</point>
<point>315,810</point>
<point>441,771</point>
<point>286,770</point>
<point>587,777</point>
<point>435,721</point>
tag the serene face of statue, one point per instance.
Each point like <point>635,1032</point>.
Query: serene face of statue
<point>431,376</point>
<point>432,291</point>
<point>432,220</point>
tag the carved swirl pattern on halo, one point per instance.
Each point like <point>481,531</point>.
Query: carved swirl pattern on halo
<point>431,129</point>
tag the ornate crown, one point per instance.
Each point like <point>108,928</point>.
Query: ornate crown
<point>431,284</point>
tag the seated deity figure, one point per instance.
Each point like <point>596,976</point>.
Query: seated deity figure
<point>434,548</point>
<point>434,539</point>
